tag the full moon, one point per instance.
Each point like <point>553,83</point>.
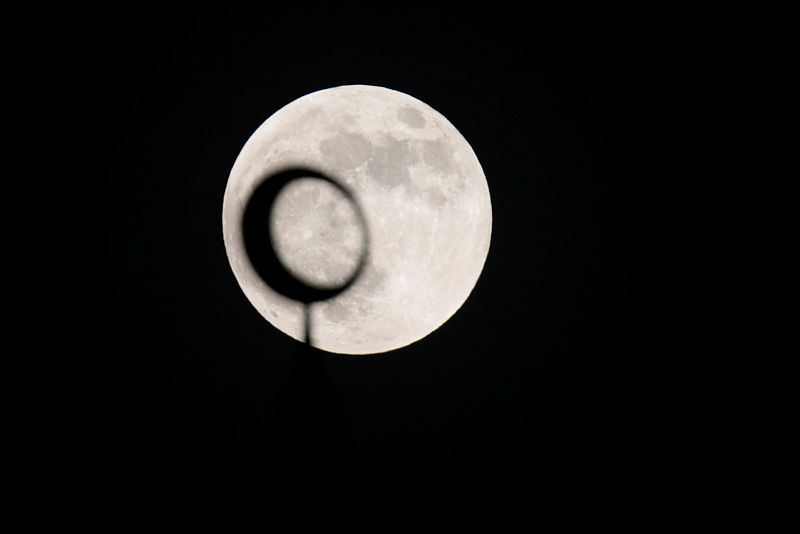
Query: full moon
<point>424,199</point>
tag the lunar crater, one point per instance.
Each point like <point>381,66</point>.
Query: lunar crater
<point>346,150</point>
<point>411,116</point>
<point>390,162</point>
<point>438,155</point>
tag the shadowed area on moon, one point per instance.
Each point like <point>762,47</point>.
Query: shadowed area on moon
<point>411,116</point>
<point>389,161</point>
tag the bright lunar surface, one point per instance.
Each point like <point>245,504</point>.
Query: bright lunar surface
<point>422,192</point>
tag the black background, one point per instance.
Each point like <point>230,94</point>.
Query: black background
<point>548,379</point>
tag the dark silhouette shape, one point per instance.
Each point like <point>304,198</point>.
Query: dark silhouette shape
<point>311,440</point>
<point>260,247</point>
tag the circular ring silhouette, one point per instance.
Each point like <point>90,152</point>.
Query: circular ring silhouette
<point>260,247</point>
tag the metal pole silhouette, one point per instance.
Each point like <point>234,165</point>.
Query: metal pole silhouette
<point>260,245</point>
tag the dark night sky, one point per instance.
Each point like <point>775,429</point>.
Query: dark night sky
<point>547,377</point>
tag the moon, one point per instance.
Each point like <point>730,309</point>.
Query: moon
<point>424,198</point>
